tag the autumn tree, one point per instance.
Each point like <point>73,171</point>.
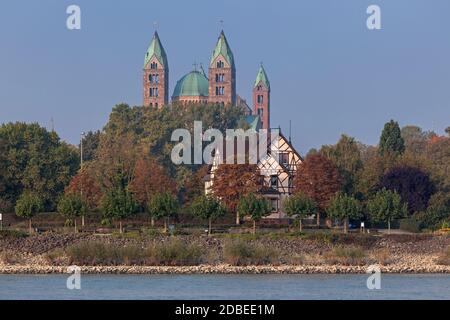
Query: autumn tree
<point>84,185</point>
<point>319,179</point>
<point>299,206</point>
<point>344,207</point>
<point>150,178</point>
<point>412,184</point>
<point>232,181</point>
<point>391,140</point>
<point>207,207</point>
<point>255,206</point>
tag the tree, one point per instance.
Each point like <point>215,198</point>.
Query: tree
<point>412,184</point>
<point>391,140</point>
<point>91,142</point>
<point>27,206</point>
<point>118,204</point>
<point>150,178</point>
<point>438,153</point>
<point>346,156</point>
<point>231,181</point>
<point>38,161</point>
<point>299,206</point>
<point>437,212</point>
<point>319,179</point>
<point>255,206</point>
<point>386,206</point>
<point>344,207</point>
<point>163,206</point>
<point>207,207</point>
<point>72,206</point>
<point>415,139</point>
<point>447,131</point>
<point>87,188</point>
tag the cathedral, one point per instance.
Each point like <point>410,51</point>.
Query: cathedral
<point>216,86</point>
<point>279,166</point>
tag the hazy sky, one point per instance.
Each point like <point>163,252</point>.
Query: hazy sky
<point>329,73</point>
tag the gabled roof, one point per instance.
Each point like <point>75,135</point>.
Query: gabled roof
<point>262,77</point>
<point>223,48</point>
<point>156,49</point>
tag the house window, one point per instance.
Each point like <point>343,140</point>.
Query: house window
<point>284,158</point>
<point>154,66</point>
<point>220,91</point>
<point>273,181</point>
<point>274,204</point>
<point>290,183</point>
<point>220,64</point>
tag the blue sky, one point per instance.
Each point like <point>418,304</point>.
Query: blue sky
<point>329,73</point>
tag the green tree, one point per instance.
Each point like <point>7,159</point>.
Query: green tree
<point>255,206</point>
<point>438,211</point>
<point>163,206</point>
<point>386,206</point>
<point>447,131</point>
<point>344,207</point>
<point>346,156</point>
<point>72,206</point>
<point>391,141</point>
<point>37,160</point>
<point>207,207</point>
<point>119,204</point>
<point>27,206</point>
<point>299,206</point>
<point>91,142</point>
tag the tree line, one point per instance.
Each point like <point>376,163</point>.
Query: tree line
<point>127,169</point>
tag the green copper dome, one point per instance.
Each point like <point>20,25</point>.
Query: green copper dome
<point>193,84</point>
<point>223,48</point>
<point>262,77</point>
<point>156,49</point>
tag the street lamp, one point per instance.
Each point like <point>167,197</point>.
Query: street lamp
<point>81,166</point>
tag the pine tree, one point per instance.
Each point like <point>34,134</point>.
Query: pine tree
<point>391,141</point>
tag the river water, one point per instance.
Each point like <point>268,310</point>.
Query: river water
<point>224,287</point>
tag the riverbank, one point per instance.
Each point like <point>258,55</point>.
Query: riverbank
<point>289,254</point>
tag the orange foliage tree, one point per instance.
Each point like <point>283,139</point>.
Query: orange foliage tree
<point>233,181</point>
<point>150,178</point>
<point>318,178</point>
<point>83,184</point>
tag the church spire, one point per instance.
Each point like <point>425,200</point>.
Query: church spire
<point>223,48</point>
<point>156,49</point>
<point>261,77</point>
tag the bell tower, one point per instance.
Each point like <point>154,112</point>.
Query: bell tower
<point>261,98</point>
<point>222,74</point>
<point>156,75</point>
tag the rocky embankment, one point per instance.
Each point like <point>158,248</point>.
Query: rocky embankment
<point>406,254</point>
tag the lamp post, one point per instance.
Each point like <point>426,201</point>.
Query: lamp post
<point>81,166</point>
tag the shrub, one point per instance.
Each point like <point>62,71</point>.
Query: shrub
<point>411,225</point>
<point>241,253</point>
<point>383,257</point>
<point>348,256</point>
<point>14,234</point>
<point>172,253</point>
<point>10,257</point>
<point>358,240</point>
<point>444,257</point>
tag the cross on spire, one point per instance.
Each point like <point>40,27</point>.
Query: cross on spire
<point>221,24</point>
<point>155,25</point>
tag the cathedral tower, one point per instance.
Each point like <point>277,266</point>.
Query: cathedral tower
<point>261,98</point>
<point>156,75</point>
<point>222,74</point>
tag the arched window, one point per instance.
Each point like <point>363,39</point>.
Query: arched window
<point>220,64</point>
<point>154,65</point>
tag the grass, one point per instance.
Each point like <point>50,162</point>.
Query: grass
<point>12,234</point>
<point>10,258</point>
<point>242,253</point>
<point>172,253</point>
<point>383,257</point>
<point>348,256</point>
